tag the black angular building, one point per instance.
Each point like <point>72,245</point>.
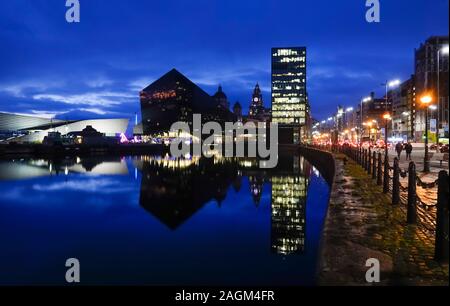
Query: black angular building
<point>174,97</point>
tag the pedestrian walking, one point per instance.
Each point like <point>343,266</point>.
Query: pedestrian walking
<point>408,150</point>
<point>398,148</point>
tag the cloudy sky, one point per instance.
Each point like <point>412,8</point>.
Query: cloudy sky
<point>97,67</point>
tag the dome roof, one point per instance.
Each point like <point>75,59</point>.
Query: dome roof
<point>220,94</point>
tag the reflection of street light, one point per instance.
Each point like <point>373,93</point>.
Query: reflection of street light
<point>386,118</point>
<point>426,100</point>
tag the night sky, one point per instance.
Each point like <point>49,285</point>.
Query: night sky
<point>97,67</point>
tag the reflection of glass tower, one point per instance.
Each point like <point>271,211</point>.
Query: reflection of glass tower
<point>288,213</point>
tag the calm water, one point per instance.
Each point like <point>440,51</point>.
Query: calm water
<point>155,220</point>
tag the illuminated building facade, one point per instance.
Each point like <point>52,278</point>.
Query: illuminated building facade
<point>174,98</point>
<point>426,61</point>
<point>30,129</point>
<point>289,96</point>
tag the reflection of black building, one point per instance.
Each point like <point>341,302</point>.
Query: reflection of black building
<point>173,190</point>
<point>289,210</point>
<point>174,98</point>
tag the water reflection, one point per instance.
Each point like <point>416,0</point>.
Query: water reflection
<point>155,212</point>
<point>21,169</point>
<point>173,190</point>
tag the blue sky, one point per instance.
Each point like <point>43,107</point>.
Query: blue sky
<point>97,67</point>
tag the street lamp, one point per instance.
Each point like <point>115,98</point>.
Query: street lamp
<point>386,118</point>
<point>443,51</point>
<point>387,85</point>
<point>369,124</point>
<point>426,100</point>
<point>364,100</point>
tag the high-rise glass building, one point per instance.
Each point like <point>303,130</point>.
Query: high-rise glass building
<point>289,96</point>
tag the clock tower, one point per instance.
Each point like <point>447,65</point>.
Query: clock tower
<point>256,105</point>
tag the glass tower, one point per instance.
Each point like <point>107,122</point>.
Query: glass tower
<point>289,95</point>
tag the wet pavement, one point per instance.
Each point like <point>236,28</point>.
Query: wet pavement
<point>363,224</point>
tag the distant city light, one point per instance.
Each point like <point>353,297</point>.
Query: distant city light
<point>367,99</point>
<point>426,99</point>
<point>433,107</point>
<point>444,50</point>
<point>394,83</point>
<point>349,109</point>
<point>123,138</point>
<point>331,118</point>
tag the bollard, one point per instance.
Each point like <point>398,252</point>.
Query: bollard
<point>374,165</point>
<point>411,217</point>
<point>396,183</point>
<point>386,175</point>
<point>369,162</point>
<point>441,242</point>
<point>380,163</point>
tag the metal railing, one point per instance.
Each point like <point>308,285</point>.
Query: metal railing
<point>432,217</point>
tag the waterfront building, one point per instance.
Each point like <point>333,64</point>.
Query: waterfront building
<point>403,110</point>
<point>290,107</point>
<point>237,111</point>
<point>221,98</point>
<point>173,98</point>
<point>257,110</point>
<point>426,77</point>
<point>30,129</point>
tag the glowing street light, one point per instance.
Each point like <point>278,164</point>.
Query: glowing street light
<point>426,100</point>
<point>394,83</point>
<point>349,109</point>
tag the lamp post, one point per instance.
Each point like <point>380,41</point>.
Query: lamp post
<point>369,124</point>
<point>386,118</point>
<point>426,100</point>
<point>364,100</point>
<point>387,85</point>
<point>444,51</point>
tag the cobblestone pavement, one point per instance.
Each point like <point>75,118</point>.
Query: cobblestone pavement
<point>362,224</point>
